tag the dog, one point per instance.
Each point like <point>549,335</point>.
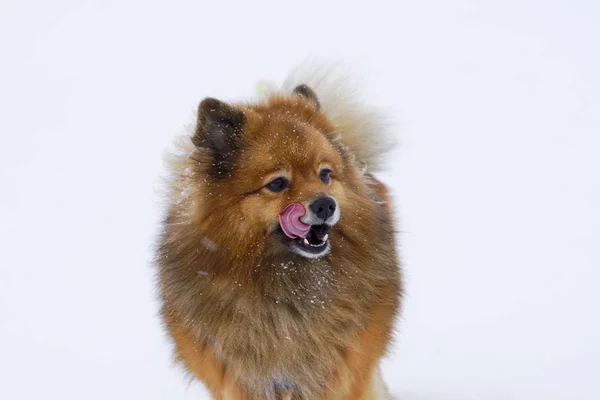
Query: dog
<point>277,266</point>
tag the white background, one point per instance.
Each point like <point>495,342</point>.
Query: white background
<point>497,182</point>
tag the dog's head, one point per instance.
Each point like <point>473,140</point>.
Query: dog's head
<point>273,174</point>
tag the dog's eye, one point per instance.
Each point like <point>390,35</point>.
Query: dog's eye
<point>325,175</point>
<point>278,185</point>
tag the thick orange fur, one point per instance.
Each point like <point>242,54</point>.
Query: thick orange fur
<point>249,318</point>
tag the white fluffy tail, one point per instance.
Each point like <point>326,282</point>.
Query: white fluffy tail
<point>363,128</point>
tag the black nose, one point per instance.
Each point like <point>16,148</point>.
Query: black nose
<point>324,207</point>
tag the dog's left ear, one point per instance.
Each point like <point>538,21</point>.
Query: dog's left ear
<point>307,93</point>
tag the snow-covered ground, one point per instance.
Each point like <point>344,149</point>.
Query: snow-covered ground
<point>497,182</point>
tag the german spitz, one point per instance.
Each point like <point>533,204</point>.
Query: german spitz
<point>277,265</point>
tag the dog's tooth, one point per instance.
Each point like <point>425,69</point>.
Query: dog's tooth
<point>325,237</point>
<point>306,241</point>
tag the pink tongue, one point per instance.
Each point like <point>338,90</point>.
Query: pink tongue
<point>289,219</point>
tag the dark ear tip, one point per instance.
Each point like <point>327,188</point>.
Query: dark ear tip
<point>307,93</point>
<point>302,89</point>
<point>218,111</point>
<point>210,104</point>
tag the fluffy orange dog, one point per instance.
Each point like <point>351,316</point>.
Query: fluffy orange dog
<point>278,270</point>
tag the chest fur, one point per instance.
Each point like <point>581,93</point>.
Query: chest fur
<point>296,331</point>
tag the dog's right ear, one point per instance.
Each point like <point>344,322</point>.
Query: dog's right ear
<point>219,126</point>
<point>219,130</point>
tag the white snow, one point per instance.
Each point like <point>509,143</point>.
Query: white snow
<point>497,182</point>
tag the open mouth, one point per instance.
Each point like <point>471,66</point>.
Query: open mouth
<point>314,245</point>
